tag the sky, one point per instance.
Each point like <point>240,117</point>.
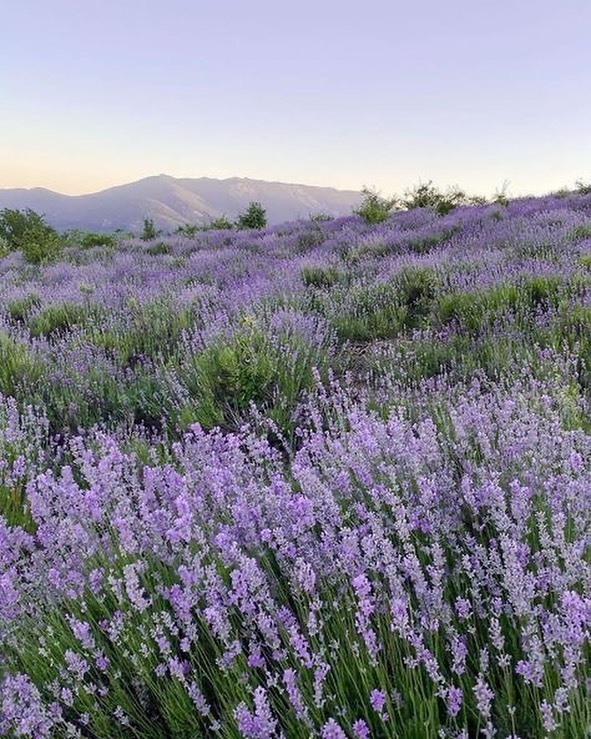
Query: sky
<point>385,94</point>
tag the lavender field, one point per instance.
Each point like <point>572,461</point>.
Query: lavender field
<point>326,479</point>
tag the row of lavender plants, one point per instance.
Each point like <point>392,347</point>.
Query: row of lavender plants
<point>327,479</point>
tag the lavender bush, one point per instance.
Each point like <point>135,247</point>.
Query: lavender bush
<point>328,479</point>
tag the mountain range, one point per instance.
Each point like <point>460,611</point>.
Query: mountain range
<point>171,202</point>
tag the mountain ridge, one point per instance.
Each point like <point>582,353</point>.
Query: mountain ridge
<point>173,201</point>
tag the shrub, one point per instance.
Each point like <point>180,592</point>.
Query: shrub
<point>501,197</point>
<point>580,232</point>
<point>4,248</point>
<point>540,290</point>
<point>477,200</point>
<point>253,217</point>
<point>309,239</point>
<point>189,230</point>
<point>41,247</point>
<point>26,231</point>
<point>320,276</point>
<point>424,244</point>
<point>426,195</point>
<point>417,289</point>
<point>19,308</point>
<point>370,313</point>
<point>14,225</point>
<point>160,247</point>
<point>583,188</point>
<point>90,239</point>
<point>58,319</point>
<point>19,372</point>
<point>223,224</point>
<point>374,208</point>
<point>152,330</point>
<point>269,367</point>
<point>563,192</point>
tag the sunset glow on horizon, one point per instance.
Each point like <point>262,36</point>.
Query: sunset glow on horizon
<point>384,95</point>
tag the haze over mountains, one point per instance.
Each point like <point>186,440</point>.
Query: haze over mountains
<point>171,202</point>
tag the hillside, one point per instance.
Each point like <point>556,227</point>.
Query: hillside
<point>171,202</point>
<point>326,479</point>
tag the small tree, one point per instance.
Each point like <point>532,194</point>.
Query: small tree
<point>26,231</point>
<point>375,208</point>
<point>149,231</point>
<point>254,216</point>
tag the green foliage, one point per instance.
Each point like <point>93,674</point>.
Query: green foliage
<point>91,239</point>
<point>4,247</point>
<point>41,248</point>
<point>160,247</point>
<point>188,229</point>
<point>14,507</point>
<point>386,310</point>
<point>583,188</point>
<point>585,260</point>
<point>426,195</point>
<point>541,291</point>
<point>253,217</point>
<point>26,231</point>
<point>417,288</point>
<point>563,192</point>
<point>370,250</point>
<point>370,313</point>
<point>152,330</point>
<point>477,200</point>
<point>501,196</point>
<point>15,225</point>
<point>481,308</point>
<point>146,398</point>
<point>250,367</point>
<point>580,232</point>
<point>58,319</point>
<point>149,231</point>
<point>321,276</point>
<point>223,224</point>
<point>424,244</point>
<point>309,239</point>
<point>374,208</point>
<point>18,368</point>
<point>20,308</point>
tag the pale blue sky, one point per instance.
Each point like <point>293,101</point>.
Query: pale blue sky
<point>387,94</point>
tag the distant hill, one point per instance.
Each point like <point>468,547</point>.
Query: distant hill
<point>171,202</point>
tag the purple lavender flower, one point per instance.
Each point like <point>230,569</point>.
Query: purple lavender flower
<point>331,730</point>
<point>453,699</point>
<point>260,723</point>
<point>361,729</point>
<point>22,712</point>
